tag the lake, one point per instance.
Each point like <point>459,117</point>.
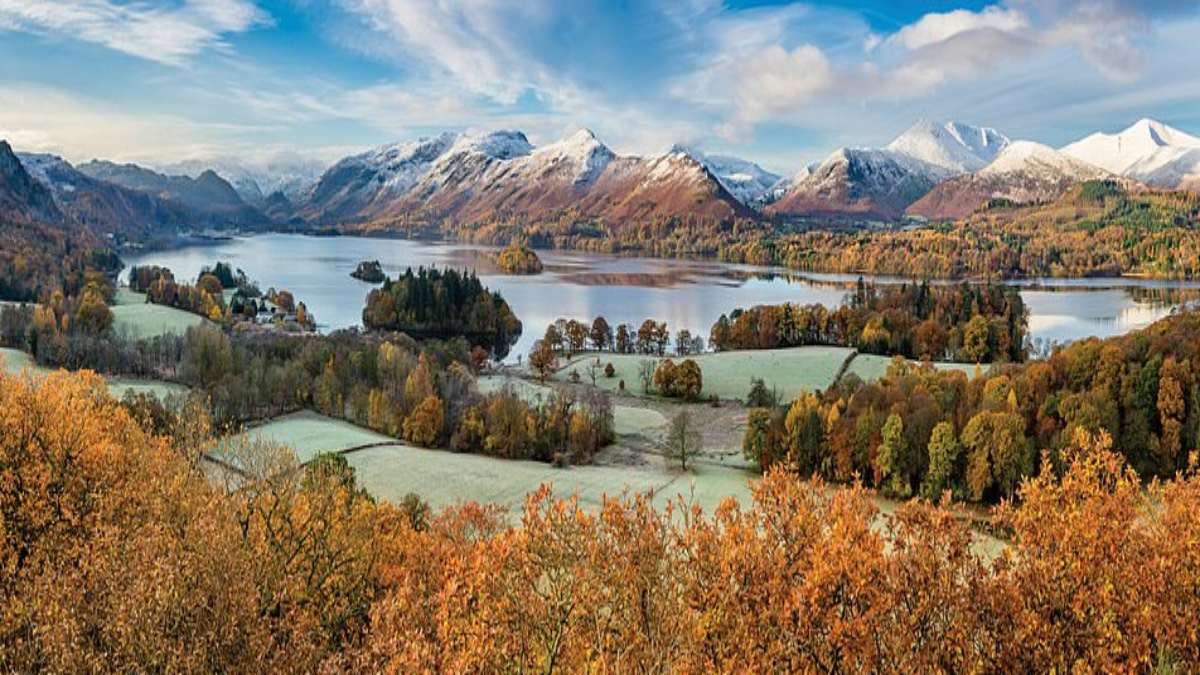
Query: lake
<point>684,293</point>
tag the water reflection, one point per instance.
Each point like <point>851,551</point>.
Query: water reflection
<point>684,293</point>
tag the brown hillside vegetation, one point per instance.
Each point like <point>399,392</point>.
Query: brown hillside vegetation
<point>118,553</point>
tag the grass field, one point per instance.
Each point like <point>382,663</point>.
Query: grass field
<point>871,367</point>
<point>118,386</point>
<point>628,420</point>
<point>728,374</point>
<point>15,361</point>
<point>528,391</point>
<point>134,317</point>
<point>390,472</point>
<point>443,478</point>
<point>310,434</point>
<point>631,421</point>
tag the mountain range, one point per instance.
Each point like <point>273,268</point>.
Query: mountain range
<point>934,170</point>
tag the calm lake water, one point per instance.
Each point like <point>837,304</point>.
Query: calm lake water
<point>685,294</point>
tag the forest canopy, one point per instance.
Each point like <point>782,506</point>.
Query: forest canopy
<point>433,303</point>
<point>970,323</point>
<point>126,553</point>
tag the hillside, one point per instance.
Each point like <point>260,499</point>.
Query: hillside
<point>1023,173</point>
<point>500,176</point>
<point>212,200</point>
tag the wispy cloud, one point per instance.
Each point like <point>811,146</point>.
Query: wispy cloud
<point>167,35</point>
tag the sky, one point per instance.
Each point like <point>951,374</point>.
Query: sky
<point>780,83</point>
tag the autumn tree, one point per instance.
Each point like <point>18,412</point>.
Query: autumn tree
<point>424,424</point>
<point>601,334</point>
<point>576,335</point>
<point>805,430</point>
<point>543,359</point>
<point>998,452</point>
<point>944,452</point>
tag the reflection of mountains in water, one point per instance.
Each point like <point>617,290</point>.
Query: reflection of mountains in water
<point>729,278</point>
<point>640,279</point>
<point>1164,296</point>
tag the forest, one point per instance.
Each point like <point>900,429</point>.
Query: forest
<point>126,554</point>
<point>36,260</point>
<point>922,431</point>
<point>968,323</point>
<point>421,392</point>
<point>1096,229</point>
<point>433,303</point>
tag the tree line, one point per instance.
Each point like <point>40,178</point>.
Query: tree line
<point>433,303</point>
<point>975,323</point>
<point>653,338</point>
<point>207,296</point>
<point>924,431</point>
<point>127,554</point>
<point>1096,229</point>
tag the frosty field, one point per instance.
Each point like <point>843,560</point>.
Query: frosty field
<point>138,319</point>
<point>311,434</point>
<point>728,374</point>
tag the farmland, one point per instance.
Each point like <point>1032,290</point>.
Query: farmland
<point>311,434</point>
<point>392,470</point>
<point>16,361</point>
<point>727,374</point>
<point>138,319</point>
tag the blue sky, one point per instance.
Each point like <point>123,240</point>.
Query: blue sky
<point>778,82</point>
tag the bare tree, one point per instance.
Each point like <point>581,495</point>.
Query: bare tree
<point>646,368</point>
<point>683,439</point>
<point>594,369</point>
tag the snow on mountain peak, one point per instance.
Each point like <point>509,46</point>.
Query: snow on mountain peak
<point>500,144</point>
<point>582,149</point>
<point>1041,161</point>
<point>952,146</point>
<point>748,182</point>
<point>1140,151</point>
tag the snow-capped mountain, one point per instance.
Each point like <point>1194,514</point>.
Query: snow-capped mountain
<point>745,180</point>
<point>475,177</point>
<point>255,180</point>
<point>1148,151</point>
<point>361,183</point>
<point>952,146</point>
<point>879,184</point>
<point>1024,172</point>
<point>859,183</point>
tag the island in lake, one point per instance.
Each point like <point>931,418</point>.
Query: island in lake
<point>369,271</point>
<point>517,258</point>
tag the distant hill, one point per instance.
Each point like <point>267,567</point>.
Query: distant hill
<point>211,198</point>
<point>23,199</point>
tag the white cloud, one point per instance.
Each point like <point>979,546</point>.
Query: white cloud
<point>939,27</point>
<point>166,35</point>
<point>480,43</point>
<point>41,119</point>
